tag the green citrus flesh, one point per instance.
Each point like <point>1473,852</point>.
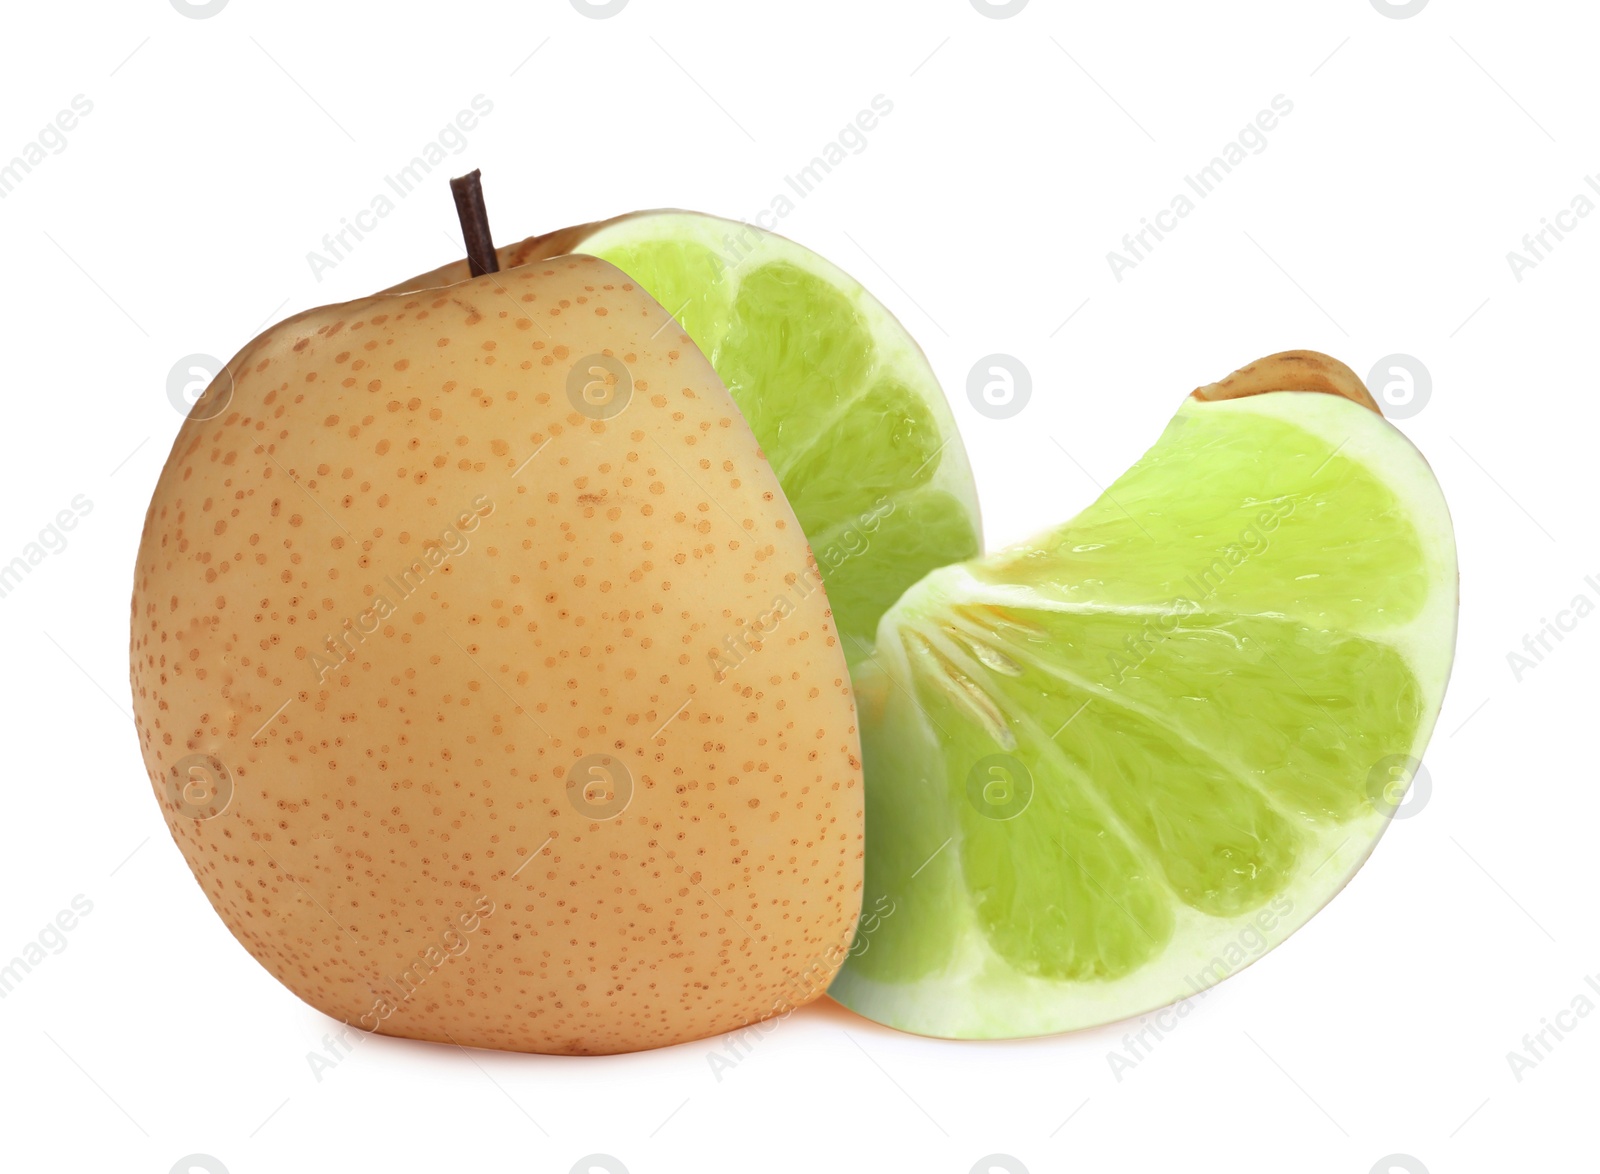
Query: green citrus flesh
<point>842,400</point>
<point>1110,766</point>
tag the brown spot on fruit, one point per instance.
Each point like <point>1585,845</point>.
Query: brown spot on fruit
<point>1291,371</point>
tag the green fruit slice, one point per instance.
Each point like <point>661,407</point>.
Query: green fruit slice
<point>840,397</point>
<point>1110,766</point>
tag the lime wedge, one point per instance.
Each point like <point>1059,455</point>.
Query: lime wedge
<point>1110,766</point>
<point>841,399</point>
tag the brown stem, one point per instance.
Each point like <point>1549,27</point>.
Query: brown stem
<point>1291,371</point>
<point>468,191</point>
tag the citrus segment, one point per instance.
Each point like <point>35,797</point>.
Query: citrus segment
<point>1099,761</point>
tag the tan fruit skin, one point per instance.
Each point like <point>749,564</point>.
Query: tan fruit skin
<point>402,847</point>
<point>534,248</point>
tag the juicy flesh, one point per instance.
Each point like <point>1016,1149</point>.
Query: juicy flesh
<point>846,423</point>
<point>1188,683</point>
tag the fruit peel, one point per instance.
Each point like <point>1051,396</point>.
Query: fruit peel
<point>408,596</point>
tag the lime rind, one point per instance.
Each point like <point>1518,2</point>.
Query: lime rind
<point>955,958</point>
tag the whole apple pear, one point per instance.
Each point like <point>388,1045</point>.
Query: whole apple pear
<point>485,678</point>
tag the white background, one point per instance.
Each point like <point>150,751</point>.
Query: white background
<point>1377,220</point>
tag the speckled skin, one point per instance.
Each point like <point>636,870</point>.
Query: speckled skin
<point>403,846</point>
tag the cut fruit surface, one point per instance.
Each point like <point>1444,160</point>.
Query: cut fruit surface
<point>840,397</point>
<point>1110,766</point>
<point>843,402</point>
